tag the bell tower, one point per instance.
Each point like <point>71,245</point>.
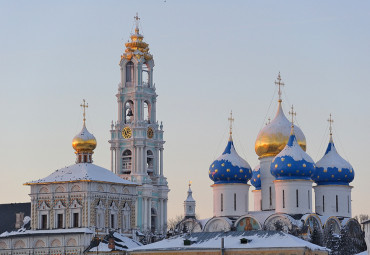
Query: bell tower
<point>137,138</point>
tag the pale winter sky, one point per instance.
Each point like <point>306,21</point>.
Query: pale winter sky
<point>210,56</point>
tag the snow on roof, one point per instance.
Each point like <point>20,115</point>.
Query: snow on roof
<point>295,151</point>
<point>122,243</point>
<point>48,231</point>
<point>82,172</point>
<point>212,240</point>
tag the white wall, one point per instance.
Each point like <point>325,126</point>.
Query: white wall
<point>257,199</point>
<point>228,191</point>
<point>267,180</point>
<point>287,203</point>
<point>329,194</point>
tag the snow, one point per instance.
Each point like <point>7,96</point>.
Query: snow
<point>295,151</point>
<point>82,172</point>
<point>212,240</point>
<point>121,242</point>
<point>362,253</point>
<point>48,231</point>
<point>333,159</point>
<point>84,134</point>
<point>234,158</point>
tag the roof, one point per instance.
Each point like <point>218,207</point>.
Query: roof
<point>121,242</point>
<point>82,172</point>
<point>47,232</point>
<point>212,240</point>
<point>8,212</point>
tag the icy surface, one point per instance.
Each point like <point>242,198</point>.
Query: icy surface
<point>333,159</point>
<point>234,158</point>
<point>212,240</point>
<point>120,240</point>
<point>84,134</point>
<point>295,151</point>
<point>82,172</point>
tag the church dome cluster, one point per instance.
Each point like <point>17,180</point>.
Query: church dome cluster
<point>332,168</point>
<point>292,162</point>
<point>230,167</point>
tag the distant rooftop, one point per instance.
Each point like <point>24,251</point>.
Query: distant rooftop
<point>8,212</point>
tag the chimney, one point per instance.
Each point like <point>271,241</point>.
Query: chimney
<point>19,220</point>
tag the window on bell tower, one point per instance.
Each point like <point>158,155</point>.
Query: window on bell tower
<point>150,162</point>
<point>130,74</point>
<point>147,109</point>
<point>126,161</point>
<point>129,112</point>
<point>145,75</point>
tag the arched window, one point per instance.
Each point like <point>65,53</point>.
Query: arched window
<point>336,203</point>
<point>297,199</point>
<point>283,199</point>
<point>145,75</point>
<point>222,202</point>
<point>129,112</point>
<point>150,161</point>
<point>126,161</point>
<point>147,109</point>
<point>129,74</point>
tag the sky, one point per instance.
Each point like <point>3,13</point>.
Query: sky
<point>211,57</point>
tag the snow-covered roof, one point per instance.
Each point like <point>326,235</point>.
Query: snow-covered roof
<point>122,243</point>
<point>82,172</point>
<point>48,231</point>
<point>212,240</point>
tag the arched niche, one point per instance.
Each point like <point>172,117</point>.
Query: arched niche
<point>56,243</point>
<point>189,225</point>
<point>130,74</point>
<point>126,161</point>
<point>279,222</point>
<point>40,244</point>
<point>218,224</point>
<point>150,162</point>
<point>247,223</point>
<point>332,225</point>
<point>19,244</point>
<point>147,111</point>
<point>3,245</point>
<point>129,111</point>
<point>71,242</point>
<point>43,190</point>
<point>60,189</point>
<point>76,188</point>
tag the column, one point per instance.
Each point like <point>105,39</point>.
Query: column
<point>160,215</point>
<point>144,213</point>
<point>149,213</point>
<point>111,159</point>
<point>161,161</point>
<point>117,159</point>
<point>165,213</point>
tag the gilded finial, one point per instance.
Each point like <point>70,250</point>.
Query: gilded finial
<point>269,121</point>
<point>293,114</point>
<point>279,83</point>
<point>84,106</point>
<point>330,120</point>
<point>137,23</point>
<point>231,119</point>
<point>189,184</point>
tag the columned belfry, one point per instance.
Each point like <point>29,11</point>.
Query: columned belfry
<point>137,138</point>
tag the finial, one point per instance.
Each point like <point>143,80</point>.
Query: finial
<point>137,23</point>
<point>269,121</point>
<point>293,114</point>
<point>189,184</point>
<point>231,119</point>
<point>330,120</point>
<point>279,83</point>
<point>84,106</point>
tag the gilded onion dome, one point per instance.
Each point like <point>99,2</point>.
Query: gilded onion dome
<point>84,141</point>
<point>275,135</point>
<point>332,168</point>
<point>256,177</point>
<point>292,162</point>
<point>136,47</point>
<point>230,167</point>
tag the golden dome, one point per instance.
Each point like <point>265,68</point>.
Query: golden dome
<point>136,47</point>
<point>84,141</point>
<point>275,135</point>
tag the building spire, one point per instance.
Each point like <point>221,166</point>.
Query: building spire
<point>279,83</point>
<point>137,23</point>
<point>330,120</point>
<point>231,119</point>
<point>293,113</point>
<point>84,106</point>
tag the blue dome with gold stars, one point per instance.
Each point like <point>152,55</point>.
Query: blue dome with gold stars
<point>292,162</point>
<point>256,177</point>
<point>332,168</point>
<point>230,167</point>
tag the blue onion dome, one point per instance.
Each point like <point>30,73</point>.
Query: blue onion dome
<point>292,162</point>
<point>275,135</point>
<point>230,167</point>
<point>256,177</point>
<point>332,168</point>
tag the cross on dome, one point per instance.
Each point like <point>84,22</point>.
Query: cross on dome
<point>84,106</point>
<point>279,83</point>
<point>231,119</point>
<point>189,184</point>
<point>293,113</point>
<point>137,19</point>
<point>330,120</point>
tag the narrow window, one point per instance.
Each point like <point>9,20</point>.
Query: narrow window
<point>222,202</point>
<point>296,192</point>
<point>85,158</point>
<point>309,206</point>
<point>336,203</point>
<point>60,220</point>
<point>75,220</point>
<point>348,203</point>
<point>112,220</point>
<point>44,221</point>
<point>234,201</point>
<point>283,199</point>
<point>323,203</point>
<point>270,197</point>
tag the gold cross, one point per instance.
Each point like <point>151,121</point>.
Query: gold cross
<point>279,83</point>
<point>231,119</point>
<point>330,120</point>
<point>137,20</point>
<point>293,114</point>
<point>84,105</point>
<point>189,183</point>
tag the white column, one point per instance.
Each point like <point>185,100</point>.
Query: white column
<point>111,160</point>
<point>161,161</point>
<point>149,213</point>
<point>165,212</point>
<point>160,215</point>
<point>267,185</point>
<point>117,160</point>
<point>145,225</point>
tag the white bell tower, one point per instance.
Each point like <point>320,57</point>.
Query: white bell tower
<point>137,138</point>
